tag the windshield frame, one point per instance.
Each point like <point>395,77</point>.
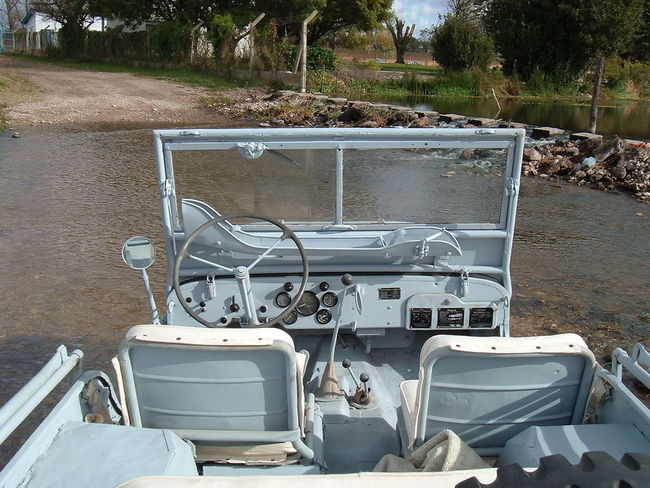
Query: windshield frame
<point>340,140</point>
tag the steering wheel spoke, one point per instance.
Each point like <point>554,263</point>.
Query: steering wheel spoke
<point>210,263</point>
<point>265,253</point>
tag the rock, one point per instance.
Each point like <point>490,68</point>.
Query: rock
<point>450,118</point>
<point>512,125</point>
<point>582,136</point>
<point>369,124</point>
<point>544,132</point>
<point>607,149</point>
<point>480,121</point>
<point>337,101</point>
<point>16,135</point>
<point>426,113</point>
<point>619,172</point>
<point>422,122</point>
<point>351,115</point>
<point>532,154</point>
<point>264,124</point>
<point>448,174</point>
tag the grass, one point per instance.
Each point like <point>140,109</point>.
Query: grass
<point>411,68</point>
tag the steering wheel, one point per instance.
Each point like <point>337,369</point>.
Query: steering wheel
<point>241,273</point>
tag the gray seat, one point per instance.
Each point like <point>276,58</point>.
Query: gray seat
<point>488,389</point>
<point>237,394</point>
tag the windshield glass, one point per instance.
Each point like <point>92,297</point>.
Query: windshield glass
<point>380,186</point>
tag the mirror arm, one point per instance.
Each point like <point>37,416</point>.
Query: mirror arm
<point>152,302</point>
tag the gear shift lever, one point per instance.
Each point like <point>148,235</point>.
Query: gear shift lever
<point>329,385</point>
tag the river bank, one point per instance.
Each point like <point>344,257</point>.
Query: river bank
<point>583,159</point>
<point>38,93</point>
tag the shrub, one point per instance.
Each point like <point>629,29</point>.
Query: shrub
<point>170,40</point>
<point>372,65</point>
<point>318,58</point>
<point>459,44</point>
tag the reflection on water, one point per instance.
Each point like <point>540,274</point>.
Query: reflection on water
<point>70,199</point>
<point>630,119</point>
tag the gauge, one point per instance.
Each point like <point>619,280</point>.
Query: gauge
<point>323,316</point>
<point>308,304</point>
<point>330,299</point>
<point>291,318</point>
<point>283,299</point>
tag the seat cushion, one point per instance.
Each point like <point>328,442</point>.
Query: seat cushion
<point>79,453</point>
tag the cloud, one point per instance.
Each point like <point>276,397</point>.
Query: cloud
<point>422,14</point>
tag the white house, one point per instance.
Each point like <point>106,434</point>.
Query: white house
<point>37,21</point>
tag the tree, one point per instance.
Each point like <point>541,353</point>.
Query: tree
<point>13,12</point>
<point>74,17</point>
<point>608,28</point>
<point>537,35</point>
<point>460,44</point>
<point>334,15</point>
<point>401,36</point>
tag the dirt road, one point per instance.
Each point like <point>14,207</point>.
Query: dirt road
<point>71,96</point>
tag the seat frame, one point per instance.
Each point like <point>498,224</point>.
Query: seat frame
<point>223,340</point>
<point>438,347</point>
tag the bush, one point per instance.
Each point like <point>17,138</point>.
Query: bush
<point>372,65</point>
<point>318,58</point>
<point>170,40</point>
<point>459,44</point>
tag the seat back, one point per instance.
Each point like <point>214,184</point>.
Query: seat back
<point>489,389</point>
<point>228,385</point>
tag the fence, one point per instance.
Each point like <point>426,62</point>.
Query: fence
<point>27,42</point>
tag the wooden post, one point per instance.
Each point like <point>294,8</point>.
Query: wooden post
<point>194,41</point>
<point>595,95</point>
<point>251,44</point>
<point>303,82</point>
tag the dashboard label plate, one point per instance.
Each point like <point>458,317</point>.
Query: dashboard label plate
<point>390,293</point>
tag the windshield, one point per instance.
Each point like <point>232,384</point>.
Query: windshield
<point>379,186</point>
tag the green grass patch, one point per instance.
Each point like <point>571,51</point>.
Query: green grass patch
<point>411,68</point>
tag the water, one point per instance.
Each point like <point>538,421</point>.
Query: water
<point>629,119</point>
<point>70,198</point>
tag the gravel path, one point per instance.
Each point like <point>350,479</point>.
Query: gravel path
<point>71,96</point>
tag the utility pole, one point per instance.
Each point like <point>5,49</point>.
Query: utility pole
<point>251,44</point>
<point>302,52</point>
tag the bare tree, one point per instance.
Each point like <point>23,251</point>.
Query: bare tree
<point>401,36</point>
<point>14,11</point>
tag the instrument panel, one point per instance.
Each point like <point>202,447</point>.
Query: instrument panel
<point>369,303</point>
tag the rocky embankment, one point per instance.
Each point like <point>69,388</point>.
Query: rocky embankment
<point>584,159</point>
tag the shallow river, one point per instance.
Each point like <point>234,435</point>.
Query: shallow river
<point>625,119</point>
<point>68,199</point>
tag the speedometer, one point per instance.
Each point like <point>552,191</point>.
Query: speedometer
<point>308,304</point>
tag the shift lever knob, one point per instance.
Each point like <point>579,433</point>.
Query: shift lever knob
<point>346,363</point>
<point>346,279</point>
<point>364,378</point>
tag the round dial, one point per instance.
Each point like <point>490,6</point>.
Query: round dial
<point>283,299</point>
<point>291,318</point>
<point>323,316</point>
<point>308,304</point>
<point>330,299</point>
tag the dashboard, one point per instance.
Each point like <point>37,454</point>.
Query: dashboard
<point>365,303</point>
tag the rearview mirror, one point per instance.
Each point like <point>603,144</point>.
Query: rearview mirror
<point>138,252</point>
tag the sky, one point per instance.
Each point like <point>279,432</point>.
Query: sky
<point>421,13</point>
